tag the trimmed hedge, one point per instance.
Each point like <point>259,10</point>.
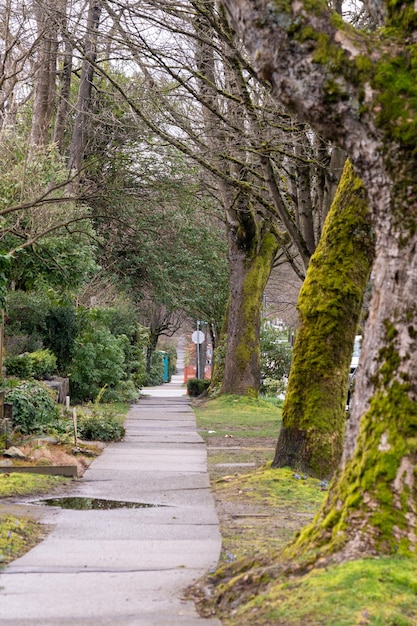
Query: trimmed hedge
<point>197,386</point>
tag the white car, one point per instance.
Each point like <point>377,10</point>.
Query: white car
<point>353,366</point>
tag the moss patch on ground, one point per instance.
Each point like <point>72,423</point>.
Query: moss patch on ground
<point>262,510</point>
<point>28,484</point>
<point>375,592</point>
<point>18,534</point>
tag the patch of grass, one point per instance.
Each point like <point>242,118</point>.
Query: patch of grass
<point>237,416</point>
<point>115,408</point>
<point>17,536</point>
<point>279,488</point>
<point>375,592</point>
<point>20,534</point>
<point>28,484</point>
<point>260,511</point>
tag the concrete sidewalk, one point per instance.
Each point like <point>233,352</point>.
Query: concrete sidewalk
<point>124,566</point>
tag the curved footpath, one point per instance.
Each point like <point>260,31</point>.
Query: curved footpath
<point>127,566</point>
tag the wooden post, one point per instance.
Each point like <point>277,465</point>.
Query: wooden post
<point>74,419</point>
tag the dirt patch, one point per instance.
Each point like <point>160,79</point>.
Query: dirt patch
<point>43,453</point>
<point>250,522</point>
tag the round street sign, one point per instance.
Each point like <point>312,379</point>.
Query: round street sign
<point>198,336</point>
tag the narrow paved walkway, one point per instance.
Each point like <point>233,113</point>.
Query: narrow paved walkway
<point>124,566</point>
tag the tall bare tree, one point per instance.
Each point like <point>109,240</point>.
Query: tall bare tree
<point>83,106</point>
<point>46,50</point>
<point>211,106</point>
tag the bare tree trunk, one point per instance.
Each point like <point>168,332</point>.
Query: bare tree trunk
<point>314,414</point>
<point>61,118</point>
<point>80,132</point>
<point>251,245</point>
<point>331,180</point>
<point>303,185</point>
<point>45,77</point>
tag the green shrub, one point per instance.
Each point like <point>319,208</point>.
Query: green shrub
<point>125,391</point>
<point>20,366</point>
<point>156,375</point>
<point>40,364</point>
<point>33,407</point>
<point>272,387</point>
<point>26,312</point>
<point>98,362</point>
<point>43,363</point>
<point>197,386</point>
<point>60,335</point>
<point>100,428</point>
<point>276,355</point>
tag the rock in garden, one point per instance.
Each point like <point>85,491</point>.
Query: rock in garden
<point>14,453</point>
<point>51,440</point>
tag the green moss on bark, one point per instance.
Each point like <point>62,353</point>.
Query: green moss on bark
<point>371,505</point>
<point>243,353</point>
<point>329,306</point>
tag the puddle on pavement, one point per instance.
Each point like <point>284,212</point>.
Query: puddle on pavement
<point>90,504</point>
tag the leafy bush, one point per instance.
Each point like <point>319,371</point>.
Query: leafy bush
<point>40,364</point>
<point>60,335</point>
<point>125,391</point>
<point>100,428</point>
<point>43,363</point>
<point>20,366</point>
<point>276,355</point>
<point>120,319</point>
<point>196,386</point>
<point>33,407</point>
<point>156,375</point>
<point>26,312</point>
<point>98,362</point>
<point>271,387</point>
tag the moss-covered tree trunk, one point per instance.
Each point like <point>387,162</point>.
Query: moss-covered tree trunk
<point>359,89</point>
<point>372,503</point>
<point>329,305</point>
<point>251,255</point>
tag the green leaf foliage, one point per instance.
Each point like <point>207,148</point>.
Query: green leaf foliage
<point>43,363</point>
<point>98,361</point>
<point>60,334</point>
<point>33,407</point>
<point>26,314</point>
<point>100,428</point>
<point>276,354</point>
<point>19,366</point>
<point>196,386</point>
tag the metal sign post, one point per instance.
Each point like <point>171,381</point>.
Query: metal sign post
<point>198,338</point>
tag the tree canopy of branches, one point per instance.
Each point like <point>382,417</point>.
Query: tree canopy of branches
<point>267,171</point>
